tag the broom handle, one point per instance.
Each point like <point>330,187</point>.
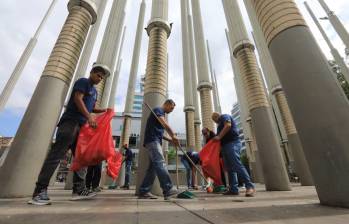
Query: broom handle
<point>177,147</point>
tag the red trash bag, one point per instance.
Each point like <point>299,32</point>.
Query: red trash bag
<point>114,165</point>
<point>96,145</point>
<point>210,161</point>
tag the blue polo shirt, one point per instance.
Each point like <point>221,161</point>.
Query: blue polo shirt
<point>72,112</point>
<point>153,129</point>
<point>233,134</point>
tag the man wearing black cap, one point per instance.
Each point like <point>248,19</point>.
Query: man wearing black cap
<point>79,110</point>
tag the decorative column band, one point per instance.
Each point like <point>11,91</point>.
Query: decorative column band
<point>286,115</point>
<point>206,109</point>
<point>189,108</point>
<point>251,79</point>
<point>197,136</point>
<point>65,55</point>
<point>100,89</point>
<point>204,85</point>
<point>276,16</point>
<point>156,79</point>
<point>190,129</point>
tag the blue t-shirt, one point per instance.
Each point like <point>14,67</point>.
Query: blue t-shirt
<point>154,130</point>
<point>72,112</point>
<point>233,134</point>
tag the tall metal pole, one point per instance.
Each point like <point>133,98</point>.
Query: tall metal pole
<point>337,57</point>
<point>10,85</point>
<point>324,141</point>
<point>188,96</point>
<point>274,170</point>
<point>337,24</point>
<point>204,85</point>
<point>279,100</point>
<point>155,87</point>
<point>33,137</point>
<point>109,49</point>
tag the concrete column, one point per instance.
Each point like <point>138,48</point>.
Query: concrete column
<point>245,119</point>
<point>337,24</point>
<point>33,137</point>
<point>111,102</point>
<point>216,103</point>
<point>125,134</point>
<point>108,52</point>
<point>194,83</point>
<point>155,86</point>
<point>337,57</point>
<point>188,96</point>
<point>324,140</point>
<point>204,85</point>
<point>166,143</point>
<point>279,100</point>
<point>11,83</point>
<point>275,174</point>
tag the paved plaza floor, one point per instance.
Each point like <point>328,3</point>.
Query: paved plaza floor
<point>121,206</point>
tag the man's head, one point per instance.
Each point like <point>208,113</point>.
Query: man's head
<point>168,106</point>
<point>215,117</point>
<point>99,72</point>
<point>125,145</point>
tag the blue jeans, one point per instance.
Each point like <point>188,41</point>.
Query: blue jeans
<point>128,172</point>
<point>232,162</point>
<point>157,167</point>
<point>188,171</point>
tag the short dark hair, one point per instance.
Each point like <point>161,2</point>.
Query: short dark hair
<point>98,69</point>
<point>170,101</point>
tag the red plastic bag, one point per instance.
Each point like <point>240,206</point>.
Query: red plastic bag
<point>96,145</point>
<point>114,165</point>
<point>210,161</point>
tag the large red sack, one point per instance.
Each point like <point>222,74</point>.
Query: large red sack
<point>210,161</point>
<point>96,145</point>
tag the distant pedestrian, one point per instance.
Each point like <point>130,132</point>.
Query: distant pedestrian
<point>128,155</point>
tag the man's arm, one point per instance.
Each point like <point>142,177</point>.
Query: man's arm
<point>78,100</point>
<point>226,128</point>
<point>167,127</point>
<point>98,110</point>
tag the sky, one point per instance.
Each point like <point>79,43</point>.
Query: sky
<point>19,20</point>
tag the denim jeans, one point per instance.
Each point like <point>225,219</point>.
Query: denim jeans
<point>93,176</point>
<point>231,156</point>
<point>66,138</point>
<point>157,167</point>
<point>188,171</point>
<point>128,172</point>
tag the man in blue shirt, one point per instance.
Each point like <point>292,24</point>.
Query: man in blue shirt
<point>154,133</point>
<point>228,135</point>
<point>128,154</point>
<point>79,110</point>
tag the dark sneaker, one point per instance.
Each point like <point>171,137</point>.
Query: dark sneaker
<point>250,192</point>
<point>125,187</point>
<point>147,195</point>
<point>83,195</point>
<point>40,199</point>
<point>96,189</point>
<point>171,193</point>
<point>231,193</point>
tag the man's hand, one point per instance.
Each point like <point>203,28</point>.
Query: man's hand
<point>175,141</point>
<point>216,138</point>
<point>92,121</point>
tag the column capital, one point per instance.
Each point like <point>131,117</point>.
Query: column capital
<point>159,22</point>
<point>89,5</point>
<point>203,85</point>
<point>127,114</point>
<point>189,108</point>
<point>241,45</point>
<point>276,89</point>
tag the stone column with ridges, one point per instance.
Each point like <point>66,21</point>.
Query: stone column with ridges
<point>188,96</point>
<point>279,100</point>
<point>155,87</point>
<point>109,48</point>
<point>11,83</point>
<point>213,80</point>
<point>194,83</point>
<point>33,137</point>
<point>274,170</point>
<point>204,84</point>
<point>245,119</point>
<point>324,141</point>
